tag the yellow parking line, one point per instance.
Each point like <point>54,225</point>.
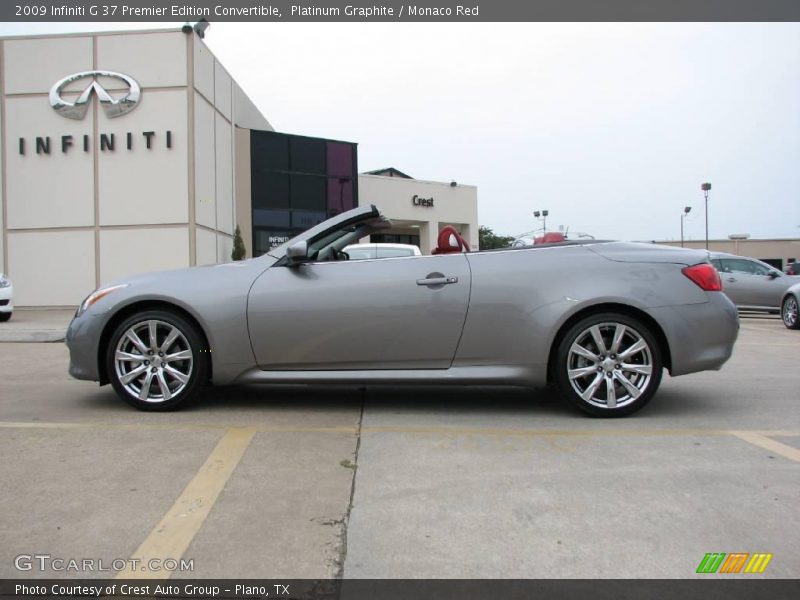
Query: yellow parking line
<point>173,534</point>
<point>763,441</point>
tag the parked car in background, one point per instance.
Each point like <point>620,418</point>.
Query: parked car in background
<point>380,250</point>
<point>789,307</point>
<point>750,283</point>
<point>600,321</point>
<point>6,298</point>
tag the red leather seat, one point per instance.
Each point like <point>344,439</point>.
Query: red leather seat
<point>450,241</point>
<point>550,238</point>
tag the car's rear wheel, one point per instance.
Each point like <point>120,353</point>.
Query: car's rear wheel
<point>156,360</point>
<point>608,365</point>
<point>789,312</point>
<point>4,316</point>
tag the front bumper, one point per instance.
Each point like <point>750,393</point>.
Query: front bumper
<point>700,336</point>
<point>83,342</point>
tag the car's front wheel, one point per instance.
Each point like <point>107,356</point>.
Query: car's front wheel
<point>156,360</point>
<point>789,312</point>
<point>4,316</point>
<point>608,365</point>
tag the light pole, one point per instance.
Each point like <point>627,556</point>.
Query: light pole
<point>706,187</point>
<point>542,216</point>
<point>685,212</point>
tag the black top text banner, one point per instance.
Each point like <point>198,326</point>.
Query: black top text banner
<point>396,10</point>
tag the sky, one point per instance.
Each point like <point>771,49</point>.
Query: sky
<point>610,127</point>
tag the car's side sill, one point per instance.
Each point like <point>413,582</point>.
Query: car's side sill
<point>488,375</point>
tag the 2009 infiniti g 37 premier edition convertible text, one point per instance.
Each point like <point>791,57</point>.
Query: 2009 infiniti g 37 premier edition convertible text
<point>599,320</point>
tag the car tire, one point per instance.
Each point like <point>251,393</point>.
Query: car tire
<point>790,313</point>
<point>612,380</point>
<point>157,373</point>
<point>5,317</point>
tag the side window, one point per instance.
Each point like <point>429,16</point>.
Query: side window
<point>394,252</point>
<point>760,269</point>
<point>367,252</point>
<point>739,265</point>
<point>718,264</point>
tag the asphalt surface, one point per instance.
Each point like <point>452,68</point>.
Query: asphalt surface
<point>495,483</point>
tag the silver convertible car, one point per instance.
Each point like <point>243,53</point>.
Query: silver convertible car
<point>599,320</point>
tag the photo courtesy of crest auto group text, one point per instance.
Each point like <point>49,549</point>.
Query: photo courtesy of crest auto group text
<point>379,301</point>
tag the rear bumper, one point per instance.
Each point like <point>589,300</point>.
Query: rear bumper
<point>700,336</point>
<point>7,299</point>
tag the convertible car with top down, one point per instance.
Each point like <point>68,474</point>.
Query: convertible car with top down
<point>598,320</point>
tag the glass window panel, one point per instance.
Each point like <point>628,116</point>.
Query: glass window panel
<point>268,217</point>
<point>308,192</point>
<point>270,190</point>
<point>340,159</point>
<point>269,151</point>
<point>307,155</point>
<point>340,195</point>
<point>394,238</point>
<point>305,219</point>
<point>265,239</point>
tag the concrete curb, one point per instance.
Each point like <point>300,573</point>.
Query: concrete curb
<point>33,335</point>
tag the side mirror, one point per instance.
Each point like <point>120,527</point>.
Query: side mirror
<point>773,275</point>
<point>297,253</point>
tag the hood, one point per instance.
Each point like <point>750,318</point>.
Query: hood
<point>186,273</point>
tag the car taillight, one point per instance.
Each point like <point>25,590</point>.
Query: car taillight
<point>705,276</point>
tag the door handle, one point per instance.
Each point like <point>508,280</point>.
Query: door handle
<point>437,281</point>
<point>731,279</point>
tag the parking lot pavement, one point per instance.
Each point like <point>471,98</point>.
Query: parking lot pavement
<point>36,325</point>
<point>495,483</point>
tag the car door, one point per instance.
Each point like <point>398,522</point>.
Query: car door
<point>393,313</point>
<point>748,283</point>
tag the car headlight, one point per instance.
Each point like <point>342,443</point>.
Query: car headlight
<point>5,282</point>
<point>97,295</point>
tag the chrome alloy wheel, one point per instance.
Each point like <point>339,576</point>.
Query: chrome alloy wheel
<point>790,312</point>
<point>153,361</point>
<point>610,365</point>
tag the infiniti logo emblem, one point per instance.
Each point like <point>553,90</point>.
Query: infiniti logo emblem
<point>113,107</point>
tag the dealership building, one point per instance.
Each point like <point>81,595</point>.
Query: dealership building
<point>127,152</point>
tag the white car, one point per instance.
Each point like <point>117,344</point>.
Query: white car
<point>383,250</point>
<point>6,298</point>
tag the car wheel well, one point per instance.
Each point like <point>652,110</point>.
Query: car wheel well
<point>623,309</point>
<point>134,308</point>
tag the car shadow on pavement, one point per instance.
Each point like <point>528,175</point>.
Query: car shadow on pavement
<point>532,403</point>
<point>384,398</point>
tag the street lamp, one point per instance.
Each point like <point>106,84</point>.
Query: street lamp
<point>706,187</point>
<point>542,216</point>
<point>685,212</point>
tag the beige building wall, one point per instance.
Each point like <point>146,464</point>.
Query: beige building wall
<point>219,107</point>
<point>243,209</point>
<point>96,215</point>
<point>452,205</point>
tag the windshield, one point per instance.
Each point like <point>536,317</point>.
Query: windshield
<point>346,219</point>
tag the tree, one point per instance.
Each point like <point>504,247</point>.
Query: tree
<point>239,251</point>
<point>488,239</point>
